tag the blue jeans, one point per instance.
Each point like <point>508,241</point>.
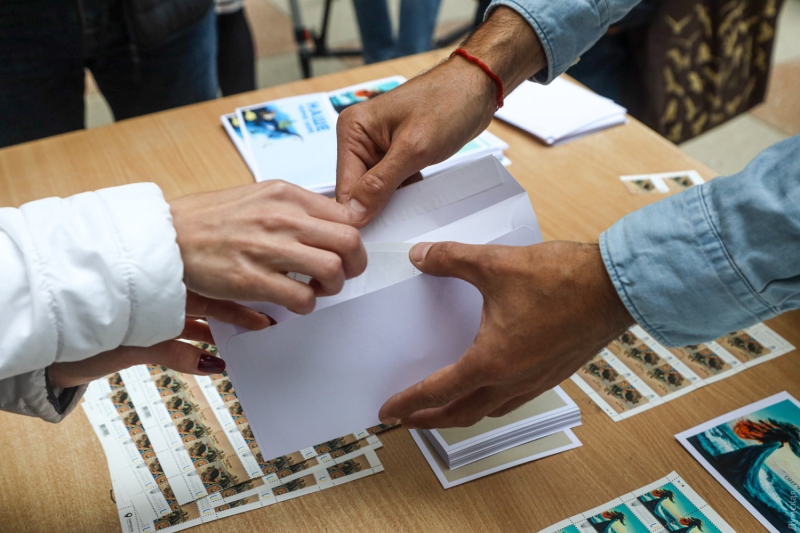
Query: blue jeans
<point>46,44</point>
<point>417,22</point>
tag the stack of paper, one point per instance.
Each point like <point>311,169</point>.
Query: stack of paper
<point>294,139</point>
<point>550,413</point>
<point>559,112</point>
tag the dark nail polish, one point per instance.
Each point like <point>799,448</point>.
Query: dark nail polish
<point>272,321</point>
<point>210,364</point>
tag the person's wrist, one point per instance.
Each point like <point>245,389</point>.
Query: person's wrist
<point>509,46</point>
<point>474,81</point>
<point>610,310</point>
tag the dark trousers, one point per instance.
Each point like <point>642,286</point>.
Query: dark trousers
<point>46,44</point>
<point>236,61</point>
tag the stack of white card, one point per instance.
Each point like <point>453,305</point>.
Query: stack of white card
<point>559,112</point>
<point>550,413</point>
<point>294,139</point>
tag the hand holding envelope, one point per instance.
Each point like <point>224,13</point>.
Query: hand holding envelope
<point>389,328</point>
<point>547,309</point>
<point>269,229</point>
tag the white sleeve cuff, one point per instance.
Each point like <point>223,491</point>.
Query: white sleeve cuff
<point>101,269</point>
<point>147,238</point>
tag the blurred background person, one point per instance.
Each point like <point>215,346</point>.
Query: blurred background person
<point>145,56</point>
<point>235,53</point>
<point>415,34</point>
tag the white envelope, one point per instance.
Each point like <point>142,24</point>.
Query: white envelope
<point>312,378</point>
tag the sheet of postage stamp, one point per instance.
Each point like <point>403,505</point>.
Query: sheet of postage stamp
<point>668,505</point>
<point>662,183</point>
<point>635,373</point>
<point>754,452</point>
<point>173,441</point>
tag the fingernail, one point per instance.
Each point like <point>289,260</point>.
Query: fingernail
<point>419,251</point>
<point>272,321</point>
<point>389,420</point>
<point>210,364</point>
<point>356,207</point>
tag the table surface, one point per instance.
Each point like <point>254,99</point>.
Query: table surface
<point>56,478</point>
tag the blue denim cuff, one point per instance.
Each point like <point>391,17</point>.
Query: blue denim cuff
<point>674,274</point>
<point>565,29</point>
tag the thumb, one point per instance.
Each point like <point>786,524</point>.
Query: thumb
<point>448,259</point>
<point>370,194</point>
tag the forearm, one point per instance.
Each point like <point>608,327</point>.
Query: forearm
<point>565,29</point>
<point>509,47</point>
<point>715,258</point>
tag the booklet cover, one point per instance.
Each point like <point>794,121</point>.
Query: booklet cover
<point>293,139</point>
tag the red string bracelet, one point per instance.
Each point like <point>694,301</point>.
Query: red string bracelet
<point>500,89</point>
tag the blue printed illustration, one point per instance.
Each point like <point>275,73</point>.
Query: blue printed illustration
<point>674,511</point>
<point>270,122</point>
<point>618,519</point>
<point>234,122</point>
<point>759,455</point>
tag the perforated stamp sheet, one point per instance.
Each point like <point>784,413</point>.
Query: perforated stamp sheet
<point>635,372</point>
<point>174,445</point>
<point>664,506</point>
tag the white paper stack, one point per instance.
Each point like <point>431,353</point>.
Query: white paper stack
<point>550,413</point>
<point>559,112</point>
<point>294,139</point>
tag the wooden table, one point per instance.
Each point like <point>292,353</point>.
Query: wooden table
<point>55,476</point>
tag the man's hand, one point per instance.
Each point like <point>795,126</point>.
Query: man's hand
<point>239,244</point>
<point>547,310</point>
<point>386,140</point>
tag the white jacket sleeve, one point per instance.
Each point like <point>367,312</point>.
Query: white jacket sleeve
<point>86,274</point>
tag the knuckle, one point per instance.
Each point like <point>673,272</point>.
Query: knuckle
<point>434,398</point>
<point>331,266</point>
<point>373,185</point>
<point>174,356</point>
<point>305,301</point>
<point>280,189</point>
<point>277,220</point>
<point>351,239</point>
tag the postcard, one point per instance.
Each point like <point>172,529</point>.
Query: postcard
<point>754,452</point>
<point>293,139</point>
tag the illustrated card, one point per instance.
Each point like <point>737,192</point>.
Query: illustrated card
<point>662,183</point>
<point>344,98</point>
<point>635,372</point>
<point>292,139</point>
<point>665,506</point>
<point>754,452</point>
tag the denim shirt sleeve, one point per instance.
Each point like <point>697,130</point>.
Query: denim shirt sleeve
<point>566,28</point>
<point>716,258</point>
